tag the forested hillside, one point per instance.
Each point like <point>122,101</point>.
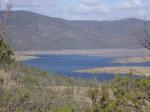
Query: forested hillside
<point>31,31</point>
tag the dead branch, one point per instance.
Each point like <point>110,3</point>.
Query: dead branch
<point>145,41</point>
<point>5,18</point>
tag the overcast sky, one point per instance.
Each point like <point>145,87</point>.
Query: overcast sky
<point>88,9</point>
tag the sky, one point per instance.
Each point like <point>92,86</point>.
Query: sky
<point>87,9</point>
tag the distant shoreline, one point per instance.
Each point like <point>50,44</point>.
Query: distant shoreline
<point>141,71</point>
<point>23,57</point>
<point>87,52</point>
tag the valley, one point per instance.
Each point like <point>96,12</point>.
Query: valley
<point>102,64</point>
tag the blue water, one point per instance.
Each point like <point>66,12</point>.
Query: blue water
<point>68,65</point>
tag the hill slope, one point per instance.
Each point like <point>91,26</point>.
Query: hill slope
<point>31,31</point>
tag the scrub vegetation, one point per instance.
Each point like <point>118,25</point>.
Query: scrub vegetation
<point>27,89</point>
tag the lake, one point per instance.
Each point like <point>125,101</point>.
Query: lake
<point>68,65</point>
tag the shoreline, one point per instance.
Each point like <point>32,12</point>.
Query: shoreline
<point>119,55</point>
<point>141,59</point>
<point>92,52</point>
<point>141,71</point>
<point>22,57</point>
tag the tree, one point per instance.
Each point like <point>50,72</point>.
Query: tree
<point>4,18</point>
<point>145,41</point>
<point>6,53</point>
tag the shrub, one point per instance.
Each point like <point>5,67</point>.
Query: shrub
<point>66,108</point>
<point>30,81</point>
<point>93,94</point>
<point>6,54</point>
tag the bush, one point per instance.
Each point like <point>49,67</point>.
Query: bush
<point>6,54</point>
<point>66,108</point>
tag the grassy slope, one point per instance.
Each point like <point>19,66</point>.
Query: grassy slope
<point>28,89</point>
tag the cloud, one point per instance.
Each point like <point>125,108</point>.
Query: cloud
<point>136,2</point>
<point>36,3</point>
<point>91,2</point>
<point>92,7</point>
<point>130,4</point>
<point>87,9</point>
<point>135,8</point>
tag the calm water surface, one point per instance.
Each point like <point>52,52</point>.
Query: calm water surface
<point>68,65</point>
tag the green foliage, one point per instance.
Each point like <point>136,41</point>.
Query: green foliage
<point>6,54</point>
<point>93,94</point>
<point>67,108</point>
<point>30,80</point>
<point>127,95</point>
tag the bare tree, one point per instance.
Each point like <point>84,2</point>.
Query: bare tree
<point>145,41</point>
<point>4,17</point>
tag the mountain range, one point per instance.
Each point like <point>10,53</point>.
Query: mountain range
<point>32,31</point>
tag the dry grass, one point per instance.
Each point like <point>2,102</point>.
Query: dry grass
<point>2,73</point>
<point>10,79</point>
<point>79,93</point>
<point>142,71</point>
